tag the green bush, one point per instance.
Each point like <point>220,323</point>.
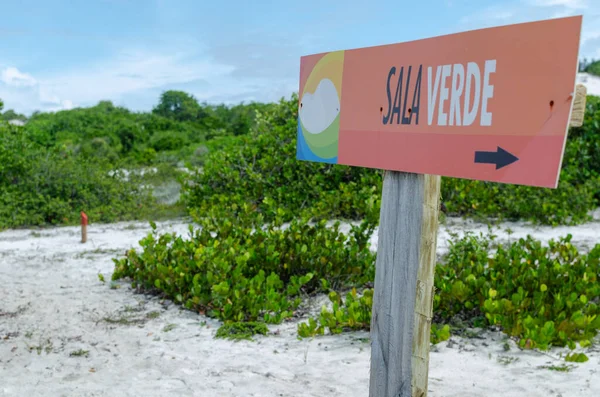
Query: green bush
<point>168,140</point>
<point>236,269</point>
<point>543,295</point>
<point>260,167</point>
<point>593,68</point>
<point>51,186</point>
<point>98,148</point>
<point>582,154</point>
<point>569,204</point>
<point>352,314</point>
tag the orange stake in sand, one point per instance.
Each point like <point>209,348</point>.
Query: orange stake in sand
<point>84,222</point>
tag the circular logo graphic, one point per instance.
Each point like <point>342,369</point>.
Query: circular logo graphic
<point>320,106</point>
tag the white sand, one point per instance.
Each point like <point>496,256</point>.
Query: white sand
<point>51,300</point>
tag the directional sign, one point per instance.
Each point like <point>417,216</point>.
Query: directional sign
<point>490,104</point>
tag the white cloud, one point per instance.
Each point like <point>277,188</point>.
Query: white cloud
<point>129,72</point>
<point>24,93</point>
<point>13,77</point>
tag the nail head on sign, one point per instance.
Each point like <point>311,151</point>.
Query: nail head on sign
<point>381,109</point>
<point>551,103</point>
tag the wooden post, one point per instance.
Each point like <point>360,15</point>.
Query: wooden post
<point>403,296</point>
<point>84,222</point>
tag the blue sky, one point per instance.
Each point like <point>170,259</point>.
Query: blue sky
<point>59,54</point>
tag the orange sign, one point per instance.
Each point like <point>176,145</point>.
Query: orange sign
<point>491,104</point>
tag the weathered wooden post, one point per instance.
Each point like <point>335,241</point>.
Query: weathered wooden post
<point>403,296</point>
<point>493,105</point>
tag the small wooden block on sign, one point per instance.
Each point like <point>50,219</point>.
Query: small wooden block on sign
<point>578,110</point>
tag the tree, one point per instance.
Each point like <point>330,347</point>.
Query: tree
<point>12,115</point>
<point>178,105</point>
<point>593,68</point>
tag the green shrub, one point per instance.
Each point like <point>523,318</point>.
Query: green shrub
<point>352,314</point>
<point>543,295</point>
<point>570,203</point>
<point>234,269</point>
<point>593,68</point>
<point>582,154</point>
<point>168,140</point>
<point>51,186</point>
<point>98,148</point>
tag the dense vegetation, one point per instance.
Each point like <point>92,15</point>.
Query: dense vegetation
<point>247,154</point>
<point>591,67</point>
<point>50,185</point>
<point>542,295</point>
<point>174,132</point>
<point>59,164</point>
<point>233,270</point>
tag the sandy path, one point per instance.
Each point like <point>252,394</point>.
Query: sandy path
<point>53,305</point>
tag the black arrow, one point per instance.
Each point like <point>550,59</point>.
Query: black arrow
<point>501,158</point>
